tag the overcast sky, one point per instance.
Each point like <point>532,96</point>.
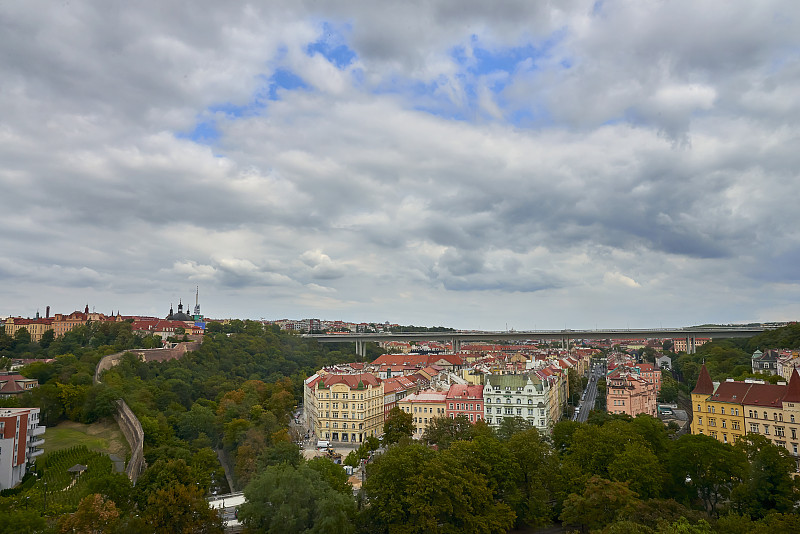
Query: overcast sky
<point>474,164</point>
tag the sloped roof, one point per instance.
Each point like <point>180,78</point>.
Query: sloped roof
<point>704,384</point>
<point>793,389</point>
<point>457,391</point>
<point>733,392</point>
<point>767,395</point>
<point>367,379</point>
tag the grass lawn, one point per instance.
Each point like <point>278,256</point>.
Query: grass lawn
<point>102,436</point>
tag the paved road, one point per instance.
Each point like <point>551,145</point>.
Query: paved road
<point>589,396</point>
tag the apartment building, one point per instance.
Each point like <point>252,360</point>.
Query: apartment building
<point>629,393</point>
<point>465,400</point>
<point>517,395</point>
<point>35,327</point>
<point>730,409</point>
<point>424,406</point>
<point>20,439</point>
<point>347,407</point>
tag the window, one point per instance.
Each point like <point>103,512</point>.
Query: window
<point>791,418</point>
<point>699,420</point>
<point>794,433</point>
<point>766,416</point>
<point>754,428</point>
<point>779,432</point>
<point>451,405</point>
<point>724,423</point>
<point>722,410</point>
<point>735,425</point>
<point>488,400</point>
<point>766,430</point>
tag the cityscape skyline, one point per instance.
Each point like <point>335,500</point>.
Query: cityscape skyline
<point>524,166</point>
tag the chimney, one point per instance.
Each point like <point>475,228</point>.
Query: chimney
<point>47,313</point>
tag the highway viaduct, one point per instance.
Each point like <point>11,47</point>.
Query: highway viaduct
<point>456,338</point>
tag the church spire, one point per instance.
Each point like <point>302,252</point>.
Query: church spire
<point>197,303</point>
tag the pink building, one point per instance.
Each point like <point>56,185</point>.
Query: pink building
<point>628,392</point>
<point>465,400</point>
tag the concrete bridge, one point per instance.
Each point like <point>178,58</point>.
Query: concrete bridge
<point>456,338</point>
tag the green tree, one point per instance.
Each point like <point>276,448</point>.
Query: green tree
<point>640,467</point>
<point>444,431</point>
<point>181,509</point>
<point>161,475</point>
<point>707,468</point>
<point>538,467</point>
<point>287,499</point>
<point>332,474</point>
<point>22,337</point>
<point>769,486</point>
<point>512,425</point>
<point>22,521</point>
<point>412,489</point>
<point>398,425</point>
<point>601,503</point>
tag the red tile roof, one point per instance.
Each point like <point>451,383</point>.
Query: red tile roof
<point>733,392</point>
<point>352,381</point>
<point>767,395</point>
<point>793,389</point>
<point>459,391</point>
<point>704,384</point>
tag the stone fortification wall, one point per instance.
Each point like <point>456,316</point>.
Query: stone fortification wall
<point>132,429</point>
<point>127,421</point>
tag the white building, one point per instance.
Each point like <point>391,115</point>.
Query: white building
<point>20,439</point>
<point>517,395</point>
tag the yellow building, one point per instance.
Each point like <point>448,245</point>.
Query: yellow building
<point>348,408</point>
<point>423,407</point>
<point>35,327</point>
<point>718,411</point>
<point>733,409</point>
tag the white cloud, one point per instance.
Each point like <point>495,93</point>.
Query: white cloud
<point>645,146</point>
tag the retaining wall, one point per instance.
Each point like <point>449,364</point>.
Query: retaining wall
<point>132,429</point>
<point>127,421</point>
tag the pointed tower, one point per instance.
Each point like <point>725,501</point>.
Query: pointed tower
<point>180,306</point>
<point>701,394</point>
<point>197,303</point>
<point>704,384</point>
<point>793,389</point>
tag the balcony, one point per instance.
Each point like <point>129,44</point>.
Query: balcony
<point>37,430</point>
<point>33,453</point>
<point>36,442</point>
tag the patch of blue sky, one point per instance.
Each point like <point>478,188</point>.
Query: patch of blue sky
<point>205,133</point>
<point>284,78</point>
<point>332,45</point>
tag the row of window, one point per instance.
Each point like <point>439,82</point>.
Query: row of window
<point>344,425</point>
<point>753,414</point>
<point>508,401</point>
<point>354,396</point>
<point>465,406</point>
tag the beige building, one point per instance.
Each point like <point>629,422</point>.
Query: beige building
<point>423,407</point>
<point>347,407</point>
<point>35,327</point>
